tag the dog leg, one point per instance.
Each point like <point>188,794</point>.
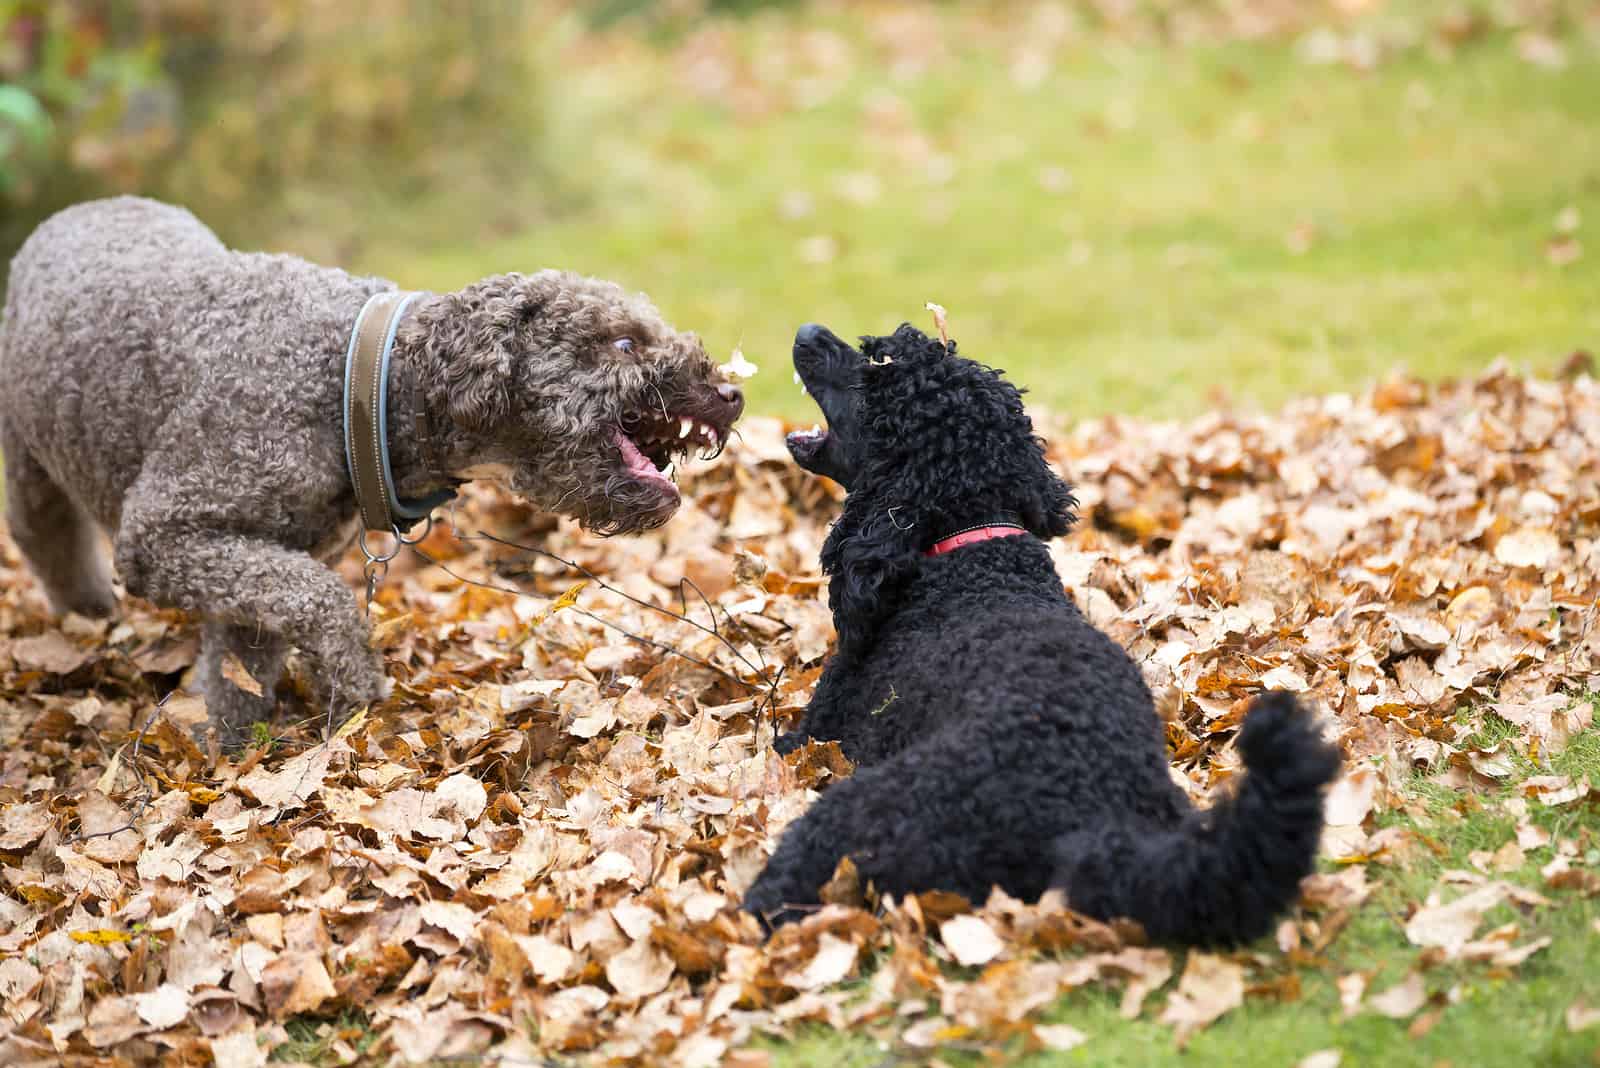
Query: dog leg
<point>229,700</point>
<point>244,587</point>
<point>943,814</point>
<point>57,537</point>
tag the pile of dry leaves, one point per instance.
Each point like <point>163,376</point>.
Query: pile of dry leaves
<point>538,844</point>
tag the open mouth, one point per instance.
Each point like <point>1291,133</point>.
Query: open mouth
<point>652,444</point>
<point>806,444</point>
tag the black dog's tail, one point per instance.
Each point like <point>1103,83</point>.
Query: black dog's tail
<point>1225,875</point>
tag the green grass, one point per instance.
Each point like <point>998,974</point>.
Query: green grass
<point>1515,1019</point>
<point>312,1038</point>
<point>1159,271</point>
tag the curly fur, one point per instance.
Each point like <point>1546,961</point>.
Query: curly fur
<point>999,738</point>
<point>188,399</point>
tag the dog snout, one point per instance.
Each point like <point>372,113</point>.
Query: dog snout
<point>809,335</point>
<point>732,396</point>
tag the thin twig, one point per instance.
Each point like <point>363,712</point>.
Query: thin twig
<point>144,783</point>
<point>769,683</point>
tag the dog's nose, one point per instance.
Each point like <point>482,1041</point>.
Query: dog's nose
<point>809,334</point>
<point>732,396</point>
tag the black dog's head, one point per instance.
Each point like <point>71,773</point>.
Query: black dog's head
<point>927,443</point>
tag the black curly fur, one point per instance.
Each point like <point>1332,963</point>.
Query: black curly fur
<point>999,738</point>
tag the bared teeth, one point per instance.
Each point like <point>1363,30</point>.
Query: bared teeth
<point>684,427</point>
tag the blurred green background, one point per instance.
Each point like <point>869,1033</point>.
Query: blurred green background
<point>1142,206</point>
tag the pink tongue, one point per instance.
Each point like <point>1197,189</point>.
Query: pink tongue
<point>639,465</point>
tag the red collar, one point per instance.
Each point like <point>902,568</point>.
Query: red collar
<point>971,536</point>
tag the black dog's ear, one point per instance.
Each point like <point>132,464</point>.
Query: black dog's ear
<point>868,553</point>
<point>1046,502</point>
<point>907,345</point>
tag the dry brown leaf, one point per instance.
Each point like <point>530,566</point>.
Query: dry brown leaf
<point>1402,1000</point>
<point>165,1006</point>
<point>1449,927</point>
<point>834,959</point>
<point>1350,798</point>
<point>239,1049</point>
<point>1555,790</point>
<point>639,971</point>
<point>24,825</point>
<point>1581,1016</point>
<point>971,940</point>
<point>1059,1037</point>
<point>1209,987</point>
<point>51,651</point>
<point>1531,547</point>
<point>295,983</point>
<point>234,671</point>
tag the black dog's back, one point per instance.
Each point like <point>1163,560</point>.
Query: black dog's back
<point>987,720</point>
<point>1000,739</point>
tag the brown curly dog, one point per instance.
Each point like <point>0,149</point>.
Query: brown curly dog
<point>189,399</point>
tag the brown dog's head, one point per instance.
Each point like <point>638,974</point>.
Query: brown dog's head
<point>574,393</point>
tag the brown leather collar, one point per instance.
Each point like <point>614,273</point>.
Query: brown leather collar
<point>366,445</point>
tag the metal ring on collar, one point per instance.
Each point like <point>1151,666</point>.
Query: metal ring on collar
<point>427,529</point>
<point>361,539</point>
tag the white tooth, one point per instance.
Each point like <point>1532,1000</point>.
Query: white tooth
<point>684,428</point>
<point>797,378</point>
<point>815,429</point>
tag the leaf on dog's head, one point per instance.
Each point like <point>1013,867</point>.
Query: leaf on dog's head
<point>939,320</point>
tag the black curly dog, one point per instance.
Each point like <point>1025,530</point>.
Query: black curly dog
<point>999,738</point>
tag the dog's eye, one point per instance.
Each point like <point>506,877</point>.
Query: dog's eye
<point>623,344</point>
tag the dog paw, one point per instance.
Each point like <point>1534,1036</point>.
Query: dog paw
<point>788,743</point>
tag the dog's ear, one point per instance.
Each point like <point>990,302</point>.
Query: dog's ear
<point>1045,500</point>
<point>869,552</point>
<point>907,345</point>
<point>478,343</point>
<point>480,386</point>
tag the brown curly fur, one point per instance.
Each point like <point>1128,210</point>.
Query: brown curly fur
<point>188,399</point>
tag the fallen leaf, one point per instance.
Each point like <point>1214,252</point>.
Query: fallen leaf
<point>1555,790</point>
<point>165,1006</point>
<point>1402,1000</point>
<point>639,971</point>
<point>24,825</point>
<point>1527,547</point>
<point>835,958</point>
<point>971,940</point>
<point>1581,1015</point>
<point>234,671</point>
<point>295,983</point>
<point>50,652</point>
<point>1209,987</point>
<point>1059,1037</point>
<point>239,1049</point>
<point>1352,987</point>
<point>1449,927</point>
